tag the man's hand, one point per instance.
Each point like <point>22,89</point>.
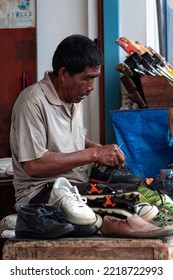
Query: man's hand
<point>110,155</point>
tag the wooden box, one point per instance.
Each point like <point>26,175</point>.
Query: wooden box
<point>158,91</point>
<point>92,248</point>
<point>149,91</point>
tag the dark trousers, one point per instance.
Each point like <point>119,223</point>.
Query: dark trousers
<point>43,195</point>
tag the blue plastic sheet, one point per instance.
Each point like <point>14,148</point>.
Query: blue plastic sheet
<point>142,135</point>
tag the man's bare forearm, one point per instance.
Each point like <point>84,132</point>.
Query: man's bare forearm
<point>52,163</point>
<point>91,144</point>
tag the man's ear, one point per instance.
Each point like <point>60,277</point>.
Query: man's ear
<point>62,73</point>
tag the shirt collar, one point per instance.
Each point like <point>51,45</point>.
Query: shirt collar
<point>51,94</point>
<point>49,90</point>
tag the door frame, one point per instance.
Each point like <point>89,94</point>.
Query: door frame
<point>109,83</point>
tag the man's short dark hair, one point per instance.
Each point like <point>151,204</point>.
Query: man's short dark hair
<point>75,53</point>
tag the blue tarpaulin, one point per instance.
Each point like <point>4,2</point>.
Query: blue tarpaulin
<point>142,135</point>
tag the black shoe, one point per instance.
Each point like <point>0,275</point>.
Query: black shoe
<point>106,174</point>
<point>84,230</point>
<point>88,230</point>
<point>38,221</point>
<point>80,230</point>
<point>112,205</point>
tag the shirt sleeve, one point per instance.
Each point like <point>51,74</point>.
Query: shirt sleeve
<point>30,132</point>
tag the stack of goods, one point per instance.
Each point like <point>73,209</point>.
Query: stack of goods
<point>145,75</point>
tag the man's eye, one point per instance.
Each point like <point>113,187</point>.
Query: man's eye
<point>89,79</point>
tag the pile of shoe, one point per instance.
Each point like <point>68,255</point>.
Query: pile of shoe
<point>141,61</point>
<point>111,190</point>
<point>154,211</point>
<point>153,217</point>
<point>159,192</point>
<point>66,214</point>
<point>126,211</point>
<point>114,191</point>
<point>139,210</point>
<point>103,200</point>
<point>40,221</point>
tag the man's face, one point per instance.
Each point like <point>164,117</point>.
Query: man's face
<point>78,86</point>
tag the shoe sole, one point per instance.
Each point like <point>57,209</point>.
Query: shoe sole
<point>118,180</point>
<point>80,221</point>
<point>52,235</point>
<point>91,230</point>
<point>142,235</point>
<point>112,211</point>
<point>85,231</point>
<point>120,190</point>
<point>98,222</point>
<point>123,187</point>
<point>132,196</point>
<point>150,214</point>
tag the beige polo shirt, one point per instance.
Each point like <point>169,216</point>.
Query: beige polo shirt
<point>41,122</point>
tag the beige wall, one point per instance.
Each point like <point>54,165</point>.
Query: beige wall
<point>57,19</point>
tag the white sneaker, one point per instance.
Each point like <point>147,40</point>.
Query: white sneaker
<point>8,222</point>
<point>99,221</point>
<point>146,211</point>
<point>67,198</point>
<point>8,233</point>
